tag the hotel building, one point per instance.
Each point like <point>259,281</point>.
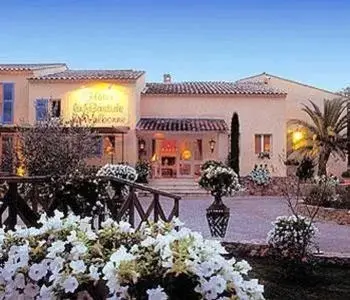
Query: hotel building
<point>177,126</point>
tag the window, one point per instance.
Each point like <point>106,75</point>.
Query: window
<point>7,104</point>
<point>55,108</point>
<point>41,109</point>
<point>97,147</point>
<point>262,143</point>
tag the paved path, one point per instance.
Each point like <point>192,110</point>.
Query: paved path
<point>251,219</point>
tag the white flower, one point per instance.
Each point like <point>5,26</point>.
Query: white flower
<point>70,284</point>
<point>57,247</point>
<point>45,293</point>
<point>37,271</point>
<point>78,250</point>
<point>148,241</point>
<point>77,266</point>
<point>121,255</point>
<point>31,290</point>
<point>243,266</point>
<point>94,273</point>
<point>157,294</point>
<point>125,227</point>
<point>19,281</point>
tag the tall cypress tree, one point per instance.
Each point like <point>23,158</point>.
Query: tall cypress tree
<point>234,161</point>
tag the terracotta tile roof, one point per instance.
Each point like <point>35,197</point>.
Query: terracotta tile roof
<point>92,75</point>
<point>267,75</point>
<point>163,124</point>
<point>28,67</point>
<point>210,88</point>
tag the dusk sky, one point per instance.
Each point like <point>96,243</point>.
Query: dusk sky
<point>304,40</point>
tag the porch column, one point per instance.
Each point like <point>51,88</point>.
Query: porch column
<point>222,146</point>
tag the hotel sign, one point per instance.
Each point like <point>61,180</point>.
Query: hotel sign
<point>103,107</point>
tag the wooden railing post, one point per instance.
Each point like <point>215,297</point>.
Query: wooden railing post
<point>156,207</point>
<point>132,206</point>
<point>176,207</point>
<point>12,205</point>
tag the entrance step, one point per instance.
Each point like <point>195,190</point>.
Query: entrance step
<point>178,186</point>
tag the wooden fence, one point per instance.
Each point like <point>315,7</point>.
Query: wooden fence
<point>133,208</point>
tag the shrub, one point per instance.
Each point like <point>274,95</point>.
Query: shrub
<point>306,169</point>
<point>292,237</point>
<point>328,193</point>
<point>66,259</point>
<point>219,180</point>
<point>260,175</point>
<point>119,171</point>
<point>143,170</point>
<point>324,192</point>
<point>344,198</point>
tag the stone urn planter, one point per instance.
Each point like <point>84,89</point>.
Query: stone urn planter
<point>220,181</point>
<point>218,215</point>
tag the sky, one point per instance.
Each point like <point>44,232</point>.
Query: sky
<point>303,40</point>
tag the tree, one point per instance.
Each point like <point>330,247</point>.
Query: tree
<point>326,134</point>
<point>234,157</point>
<point>346,94</point>
<point>54,147</point>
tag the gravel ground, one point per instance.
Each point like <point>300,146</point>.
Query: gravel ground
<point>250,220</point>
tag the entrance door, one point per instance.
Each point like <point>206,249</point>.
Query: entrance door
<point>190,157</point>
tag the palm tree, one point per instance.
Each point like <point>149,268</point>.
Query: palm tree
<point>326,134</point>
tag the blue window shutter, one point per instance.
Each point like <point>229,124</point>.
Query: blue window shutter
<point>99,146</point>
<point>7,103</point>
<point>41,109</point>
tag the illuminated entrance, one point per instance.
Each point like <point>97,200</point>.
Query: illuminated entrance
<point>176,157</point>
<point>178,147</point>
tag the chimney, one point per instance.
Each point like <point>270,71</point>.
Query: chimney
<point>166,78</point>
<point>267,79</point>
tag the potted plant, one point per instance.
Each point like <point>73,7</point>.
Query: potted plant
<point>263,155</point>
<point>220,181</point>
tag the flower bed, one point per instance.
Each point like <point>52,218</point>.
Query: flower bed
<point>340,216</point>
<point>66,259</point>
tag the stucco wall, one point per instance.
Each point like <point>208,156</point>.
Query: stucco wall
<point>257,115</point>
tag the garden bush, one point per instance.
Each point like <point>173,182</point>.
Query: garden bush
<point>260,175</point>
<point>66,259</point>
<point>327,193</point>
<point>292,237</point>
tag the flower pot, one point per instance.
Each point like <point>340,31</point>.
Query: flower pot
<point>218,215</point>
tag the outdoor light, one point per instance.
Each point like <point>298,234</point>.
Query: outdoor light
<point>142,144</point>
<point>212,145</point>
<point>297,136</point>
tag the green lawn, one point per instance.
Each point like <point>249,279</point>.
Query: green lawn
<point>326,282</point>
